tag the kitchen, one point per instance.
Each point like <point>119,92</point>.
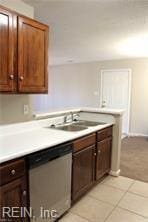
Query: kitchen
<point>56,159</point>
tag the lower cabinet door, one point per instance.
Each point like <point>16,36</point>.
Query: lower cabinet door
<point>103,160</point>
<point>13,200</point>
<point>83,171</point>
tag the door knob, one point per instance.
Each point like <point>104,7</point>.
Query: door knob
<point>103,104</point>
<point>11,77</point>
<point>13,172</point>
<point>24,193</point>
<point>99,151</point>
<point>21,78</point>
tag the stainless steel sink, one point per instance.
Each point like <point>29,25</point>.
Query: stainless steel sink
<point>76,126</point>
<point>87,123</point>
<point>71,127</point>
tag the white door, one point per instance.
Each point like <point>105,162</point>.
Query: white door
<point>115,92</point>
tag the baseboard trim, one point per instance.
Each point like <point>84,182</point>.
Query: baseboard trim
<point>137,134</point>
<point>114,173</point>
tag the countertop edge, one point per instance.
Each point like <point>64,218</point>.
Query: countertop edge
<point>116,112</point>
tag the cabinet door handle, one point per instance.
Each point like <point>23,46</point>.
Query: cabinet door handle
<point>21,78</point>
<point>13,172</point>
<point>95,154</point>
<point>11,77</point>
<point>99,151</point>
<point>24,193</point>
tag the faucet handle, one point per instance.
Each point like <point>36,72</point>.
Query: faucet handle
<point>72,116</point>
<point>65,119</point>
<point>76,116</point>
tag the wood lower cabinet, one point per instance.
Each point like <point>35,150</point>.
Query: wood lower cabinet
<point>103,157</point>
<point>23,54</point>
<point>83,169</point>
<point>103,152</point>
<point>91,161</point>
<point>13,194</point>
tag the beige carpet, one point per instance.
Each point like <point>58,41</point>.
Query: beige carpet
<point>134,158</point>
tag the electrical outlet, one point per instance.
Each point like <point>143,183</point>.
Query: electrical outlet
<point>26,109</point>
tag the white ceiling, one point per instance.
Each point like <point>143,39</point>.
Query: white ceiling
<point>92,30</point>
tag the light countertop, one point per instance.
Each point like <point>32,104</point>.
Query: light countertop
<point>28,138</point>
<point>17,140</point>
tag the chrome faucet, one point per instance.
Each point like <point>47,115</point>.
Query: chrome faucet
<point>66,117</point>
<point>76,116</point>
<point>72,116</point>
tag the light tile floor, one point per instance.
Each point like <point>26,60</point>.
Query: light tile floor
<point>115,199</point>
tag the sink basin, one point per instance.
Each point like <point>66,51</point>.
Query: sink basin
<point>87,123</point>
<point>71,127</point>
<point>76,126</point>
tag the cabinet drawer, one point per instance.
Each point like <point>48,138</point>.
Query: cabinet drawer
<point>11,171</point>
<point>103,134</point>
<point>84,142</point>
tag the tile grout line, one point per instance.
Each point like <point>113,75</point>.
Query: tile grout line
<point>76,214</point>
<point>125,193</point>
<point>106,202</point>
<point>110,213</point>
<point>140,195</point>
<point>136,193</point>
<point>117,188</point>
<point>127,209</point>
<point>82,217</point>
<point>133,212</point>
<point>119,201</point>
<point>109,185</point>
<point>116,205</point>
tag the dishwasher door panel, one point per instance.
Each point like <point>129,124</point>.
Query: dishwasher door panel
<point>50,187</point>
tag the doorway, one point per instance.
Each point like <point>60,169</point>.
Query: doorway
<point>116,93</point>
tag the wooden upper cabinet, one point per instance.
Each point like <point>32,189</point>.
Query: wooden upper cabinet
<point>33,56</point>
<point>7,51</point>
<point>23,54</point>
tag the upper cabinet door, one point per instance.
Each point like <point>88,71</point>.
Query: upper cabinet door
<point>7,51</point>
<point>33,56</point>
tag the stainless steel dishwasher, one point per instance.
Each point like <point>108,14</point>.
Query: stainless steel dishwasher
<point>50,182</point>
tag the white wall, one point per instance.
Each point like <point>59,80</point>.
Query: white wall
<point>11,106</point>
<point>79,85</point>
<point>69,85</point>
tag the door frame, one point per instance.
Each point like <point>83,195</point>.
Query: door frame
<point>129,70</point>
